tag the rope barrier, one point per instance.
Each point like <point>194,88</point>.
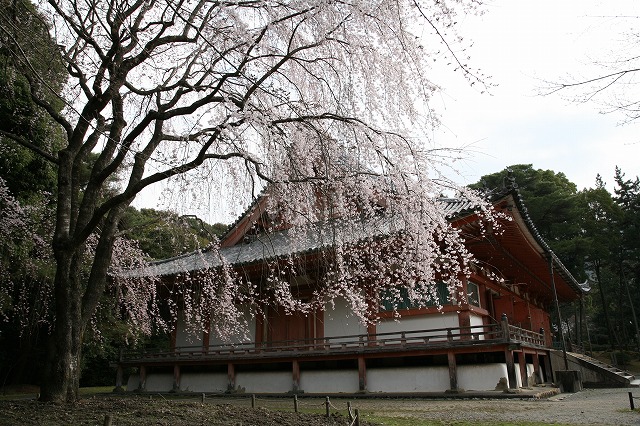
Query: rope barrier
<point>306,404</point>
<point>356,418</point>
<point>333,406</point>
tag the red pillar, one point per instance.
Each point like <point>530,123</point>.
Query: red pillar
<point>362,374</point>
<point>143,378</point>
<point>453,371</point>
<point>511,369</point>
<point>464,320</point>
<point>296,375</point>
<point>176,378</point>
<point>522,360</point>
<point>231,377</point>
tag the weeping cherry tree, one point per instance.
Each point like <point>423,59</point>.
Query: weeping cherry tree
<point>296,98</point>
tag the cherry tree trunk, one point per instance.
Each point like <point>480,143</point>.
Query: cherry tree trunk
<point>78,287</point>
<point>62,364</point>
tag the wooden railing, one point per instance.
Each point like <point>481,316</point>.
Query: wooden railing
<point>525,336</point>
<point>358,343</point>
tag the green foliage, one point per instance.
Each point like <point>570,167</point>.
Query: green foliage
<point>26,172</point>
<point>163,234</point>
<point>628,200</point>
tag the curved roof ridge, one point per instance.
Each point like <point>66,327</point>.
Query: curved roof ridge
<point>524,212</point>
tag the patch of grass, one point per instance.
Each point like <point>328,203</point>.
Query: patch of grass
<point>628,410</point>
<point>11,392</point>
<point>31,392</point>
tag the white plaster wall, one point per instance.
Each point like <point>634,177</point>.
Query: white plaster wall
<point>421,322</point>
<point>530,372</point>
<point>159,382</point>
<point>185,336</point>
<point>481,377</point>
<point>476,320</point>
<point>333,381</point>
<point>340,320</point>
<point>250,331</point>
<point>203,382</point>
<point>133,382</point>
<point>408,379</point>
<point>265,381</point>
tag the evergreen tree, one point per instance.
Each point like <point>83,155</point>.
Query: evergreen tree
<point>627,254</point>
<point>600,225</point>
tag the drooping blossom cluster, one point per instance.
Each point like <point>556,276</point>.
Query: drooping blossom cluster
<point>25,261</point>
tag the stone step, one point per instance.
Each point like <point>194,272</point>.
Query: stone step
<point>627,377</point>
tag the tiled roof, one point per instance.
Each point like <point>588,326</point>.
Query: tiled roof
<point>321,235</point>
<point>272,245</point>
<point>456,207</point>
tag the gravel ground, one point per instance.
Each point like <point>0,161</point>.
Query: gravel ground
<point>588,407</point>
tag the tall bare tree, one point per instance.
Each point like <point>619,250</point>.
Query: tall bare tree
<point>299,95</point>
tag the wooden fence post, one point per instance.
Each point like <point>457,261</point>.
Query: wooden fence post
<point>357,413</point>
<point>253,400</point>
<point>295,403</point>
<point>327,403</point>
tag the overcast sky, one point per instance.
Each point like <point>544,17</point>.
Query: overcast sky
<point>520,44</point>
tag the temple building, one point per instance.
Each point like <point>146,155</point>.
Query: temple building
<point>494,334</point>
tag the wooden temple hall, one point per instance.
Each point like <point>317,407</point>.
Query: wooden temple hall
<point>498,338</point>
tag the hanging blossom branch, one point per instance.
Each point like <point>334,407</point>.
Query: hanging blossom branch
<point>25,289</point>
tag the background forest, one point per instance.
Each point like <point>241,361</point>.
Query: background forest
<point>594,231</point>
